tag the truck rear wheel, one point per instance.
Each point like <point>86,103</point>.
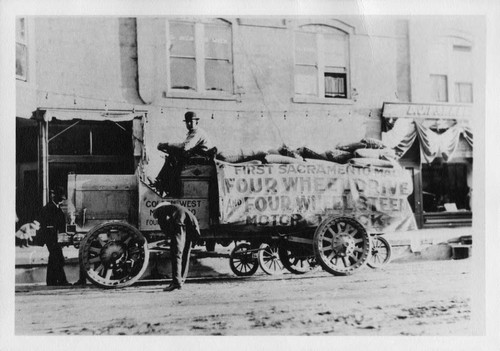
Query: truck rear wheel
<point>297,258</point>
<point>380,253</point>
<point>113,255</point>
<point>269,260</point>
<point>341,245</point>
<point>242,260</point>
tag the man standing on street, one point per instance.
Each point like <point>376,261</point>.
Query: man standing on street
<point>53,222</point>
<point>182,226</point>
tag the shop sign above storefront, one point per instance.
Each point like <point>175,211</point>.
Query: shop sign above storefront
<point>443,111</point>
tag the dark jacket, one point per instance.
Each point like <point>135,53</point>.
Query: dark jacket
<point>52,221</point>
<point>180,215</point>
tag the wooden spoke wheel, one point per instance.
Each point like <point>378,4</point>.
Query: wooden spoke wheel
<point>269,260</point>
<point>242,260</point>
<point>113,255</point>
<point>297,258</point>
<point>341,245</point>
<point>380,253</point>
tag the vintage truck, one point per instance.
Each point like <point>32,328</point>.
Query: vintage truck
<point>306,214</point>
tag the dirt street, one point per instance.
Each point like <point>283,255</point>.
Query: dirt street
<point>421,298</point>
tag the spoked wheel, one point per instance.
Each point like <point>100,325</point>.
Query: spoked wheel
<point>341,245</point>
<point>380,252</point>
<point>114,255</point>
<point>297,258</point>
<point>269,260</point>
<point>242,260</point>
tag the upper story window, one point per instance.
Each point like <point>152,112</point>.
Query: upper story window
<point>321,62</point>
<point>451,70</point>
<point>439,87</point>
<point>462,65</point>
<point>21,49</point>
<point>200,56</point>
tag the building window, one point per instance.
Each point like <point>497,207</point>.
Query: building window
<point>182,56</point>
<point>439,87</point>
<point>445,187</point>
<point>21,49</point>
<point>200,56</point>
<point>462,72</point>
<point>321,62</point>
<point>463,92</point>
<point>451,70</point>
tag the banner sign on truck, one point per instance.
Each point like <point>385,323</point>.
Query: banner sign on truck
<point>304,194</point>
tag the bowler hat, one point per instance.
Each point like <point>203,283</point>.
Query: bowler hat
<point>58,191</point>
<point>190,116</point>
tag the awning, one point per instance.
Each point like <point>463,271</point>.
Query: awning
<point>116,116</point>
<point>402,125</point>
<point>88,115</point>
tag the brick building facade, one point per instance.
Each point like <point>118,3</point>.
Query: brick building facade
<point>256,84</point>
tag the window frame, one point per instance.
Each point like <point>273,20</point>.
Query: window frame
<point>322,67</point>
<point>458,86</point>
<point>446,86</point>
<point>24,43</point>
<point>200,58</point>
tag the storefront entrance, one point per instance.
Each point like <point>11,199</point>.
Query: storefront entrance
<point>60,142</point>
<point>435,141</point>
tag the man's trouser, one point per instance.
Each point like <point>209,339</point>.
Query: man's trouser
<point>169,177</point>
<point>180,249</point>
<point>55,266</point>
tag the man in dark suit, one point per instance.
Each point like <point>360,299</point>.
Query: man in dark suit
<point>182,226</point>
<point>53,222</point>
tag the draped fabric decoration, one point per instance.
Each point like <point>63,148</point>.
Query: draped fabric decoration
<point>401,133</point>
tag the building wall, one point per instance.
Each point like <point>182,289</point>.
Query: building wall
<point>26,91</point>
<point>109,62</point>
<point>424,31</point>
<point>86,62</point>
<point>121,63</point>
<point>263,114</point>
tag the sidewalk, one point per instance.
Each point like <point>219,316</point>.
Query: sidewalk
<point>424,244</point>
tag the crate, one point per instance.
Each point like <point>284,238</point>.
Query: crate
<point>460,251</point>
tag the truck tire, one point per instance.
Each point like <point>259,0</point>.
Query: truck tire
<point>113,255</point>
<point>242,260</point>
<point>341,245</point>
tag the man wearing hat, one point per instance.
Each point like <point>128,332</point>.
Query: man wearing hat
<point>182,227</point>
<point>197,143</point>
<point>53,222</point>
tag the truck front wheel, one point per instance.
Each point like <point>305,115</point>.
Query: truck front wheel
<point>113,255</point>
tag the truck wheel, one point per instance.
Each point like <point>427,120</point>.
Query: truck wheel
<point>269,260</point>
<point>380,253</point>
<point>242,260</point>
<point>113,255</point>
<point>341,245</point>
<point>297,258</point>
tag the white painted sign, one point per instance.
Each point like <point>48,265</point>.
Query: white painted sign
<point>148,200</point>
